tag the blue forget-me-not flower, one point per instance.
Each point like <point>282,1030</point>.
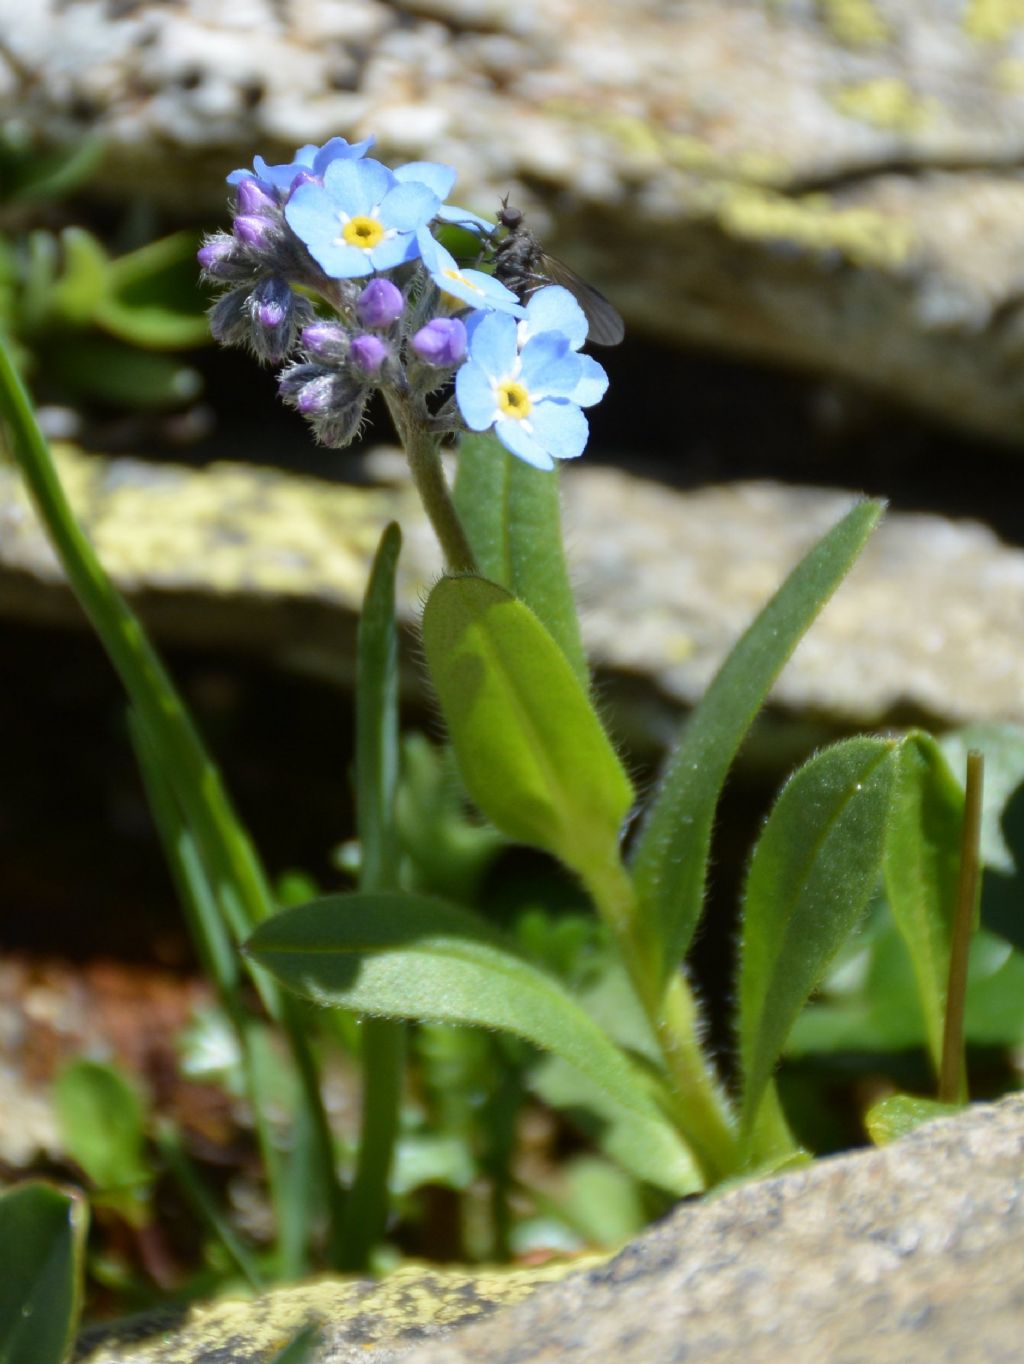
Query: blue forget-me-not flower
<point>333,267</point>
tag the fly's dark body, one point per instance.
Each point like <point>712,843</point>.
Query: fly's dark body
<point>523,266</point>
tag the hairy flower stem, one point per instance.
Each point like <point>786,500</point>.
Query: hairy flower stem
<point>422,449</point>
<point>700,1108</point>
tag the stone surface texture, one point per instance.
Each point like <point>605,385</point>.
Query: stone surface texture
<point>835,184</point>
<point>913,1254</point>
<point>929,625</point>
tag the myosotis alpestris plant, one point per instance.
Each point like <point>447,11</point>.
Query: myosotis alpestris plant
<point>336,272</point>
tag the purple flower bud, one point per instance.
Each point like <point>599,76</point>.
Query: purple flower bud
<point>441,342</point>
<point>271,312</point>
<point>325,340</point>
<point>304,177</point>
<point>252,198</point>
<point>368,353</point>
<point>380,304</point>
<point>278,314</point>
<point>215,255</point>
<point>331,401</point>
<point>254,231</point>
<point>315,399</point>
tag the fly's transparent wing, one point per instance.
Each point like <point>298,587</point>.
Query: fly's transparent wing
<point>604,325</point>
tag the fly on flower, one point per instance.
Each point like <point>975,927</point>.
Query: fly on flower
<point>522,265</point>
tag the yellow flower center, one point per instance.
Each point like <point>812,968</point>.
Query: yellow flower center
<point>362,232</point>
<point>513,400</point>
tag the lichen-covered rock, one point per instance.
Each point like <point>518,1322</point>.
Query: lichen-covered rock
<point>905,1255</point>
<point>827,183</point>
<point>366,1322</point>
<point>928,625</point>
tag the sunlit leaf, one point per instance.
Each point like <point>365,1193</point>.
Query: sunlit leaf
<point>899,1114</point>
<point>405,956</point>
<point>530,748</point>
<point>671,854</point>
<point>42,1232</point>
<point>813,871</point>
<point>512,515</point>
<point>922,859</point>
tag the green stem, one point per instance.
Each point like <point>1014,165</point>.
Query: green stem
<point>226,850</point>
<point>423,452</point>
<point>383,1039</point>
<point>952,1070</point>
<point>169,1144</point>
<point>700,1108</point>
<point>383,1052</point>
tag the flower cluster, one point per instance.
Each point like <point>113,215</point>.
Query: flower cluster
<point>394,310</point>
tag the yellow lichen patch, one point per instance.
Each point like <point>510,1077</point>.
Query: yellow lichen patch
<point>226,529</point>
<point>857,23</point>
<point>1009,75</point>
<point>412,1303</point>
<point>642,139</point>
<point>992,21</point>
<point>813,223</point>
<point>886,102</point>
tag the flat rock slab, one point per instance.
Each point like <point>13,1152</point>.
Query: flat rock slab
<point>913,1254</point>
<point>833,185</point>
<point>929,625</point>
<point>909,1255</point>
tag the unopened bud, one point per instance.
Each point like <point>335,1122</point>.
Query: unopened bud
<point>380,304</point>
<point>441,342</point>
<point>325,341</point>
<point>368,353</point>
<point>252,198</point>
<point>255,231</point>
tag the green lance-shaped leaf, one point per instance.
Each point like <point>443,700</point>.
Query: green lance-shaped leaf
<point>671,854</point>
<point>922,859</point>
<point>529,746</point>
<point>42,1233</point>
<point>813,871</point>
<point>409,956</point>
<point>513,517</point>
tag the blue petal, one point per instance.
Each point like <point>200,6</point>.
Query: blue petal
<point>357,186</point>
<point>560,427</point>
<point>523,445</point>
<point>393,251</point>
<point>549,366</point>
<point>462,217</point>
<point>311,215</point>
<point>471,286</point>
<point>494,347</point>
<point>305,156</point>
<point>473,321</point>
<point>408,206</point>
<point>592,383</point>
<point>555,309</point>
<point>269,177</point>
<point>338,149</point>
<point>474,393</point>
<point>341,261</point>
<point>430,173</point>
